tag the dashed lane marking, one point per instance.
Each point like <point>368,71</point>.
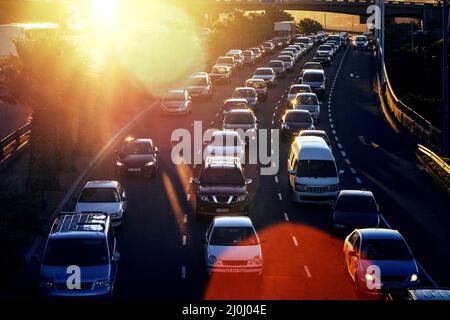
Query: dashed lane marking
<point>294,239</point>
<point>276,179</point>
<point>184,240</point>
<point>286,217</point>
<point>353,171</point>
<point>185,219</point>
<point>358,180</point>
<point>347,161</point>
<point>308,273</point>
<point>183,272</point>
<point>280,196</point>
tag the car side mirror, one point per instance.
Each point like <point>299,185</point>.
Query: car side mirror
<point>115,257</point>
<point>36,259</point>
<point>249,181</point>
<point>352,253</point>
<point>195,181</point>
<point>156,150</point>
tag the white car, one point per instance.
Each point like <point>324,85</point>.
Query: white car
<point>233,246</point>
<point>288,62</point>
<point>247,93</point>
<point>103,197</point>
<point>176,102</point>
<point>267,74</point>
<point>226,143</point>
<point>308,102</point>
<point>200,86</point>
<point>295,89</point>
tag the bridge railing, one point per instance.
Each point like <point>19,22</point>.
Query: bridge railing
<point>416,125</point>
<point>14,143</point>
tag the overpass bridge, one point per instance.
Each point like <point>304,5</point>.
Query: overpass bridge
<point>428,11</point>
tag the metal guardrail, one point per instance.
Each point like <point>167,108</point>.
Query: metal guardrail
<point>413,122</point>
<point>14,143</point>
<point>444,165</point>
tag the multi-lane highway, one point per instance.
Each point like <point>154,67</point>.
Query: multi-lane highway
<point>160,241</point>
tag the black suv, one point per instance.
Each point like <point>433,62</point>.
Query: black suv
<point>137,156</point>
<point>222,187</point>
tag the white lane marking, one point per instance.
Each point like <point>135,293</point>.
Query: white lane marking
<point>280,196</point>
<point>279,101</point>
<point>273,122</point>
<point>294,239</point>
<point>184,240</point>
<point>276,179</point>
<point>347,161</point>
<point>353,171</point>
<point>418,264</point>
<point>185,219</point>
<point>339,146</point>
<point>332,125</point>
<point>343,153</point>
<point>336,138</point>
<point>188,197</point>
<point>183,272</point>
<point>286,217</point>
<point>331,120</point>
<point>334,131</point>
<point>217,114</point>
<point>358,180</point>
<point>211,123</point>
<point>307,271</point>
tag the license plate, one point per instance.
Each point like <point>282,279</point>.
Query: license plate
<point>134,169</point>
<point>222,210</point>
<point>234,270</point>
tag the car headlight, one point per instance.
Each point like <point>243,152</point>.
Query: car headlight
<point>204,198</point>
<point>334,187</point>
<point>212,259</point>
<point>118,213</point>
<point>257,260</point>
<point>119,164</point>
<point>300,187</point>
<point>241,198</point>
<point>102,283</point>
<point>149,164</point>
<point>414,277</point>
<point>46,284</point>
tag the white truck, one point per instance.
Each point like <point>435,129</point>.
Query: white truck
<point>284,31</point>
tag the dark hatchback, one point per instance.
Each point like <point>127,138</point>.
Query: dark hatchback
<point>137,156</point>
<point>355,209</point>
<point>222,187</point>
<point>294,121</point>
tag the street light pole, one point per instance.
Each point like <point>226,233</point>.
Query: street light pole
<point>445,24</point>
<point>381,43</point>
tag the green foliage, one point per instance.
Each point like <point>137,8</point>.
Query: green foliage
<point>308,26</point>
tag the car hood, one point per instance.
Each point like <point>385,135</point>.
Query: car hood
<point>88,274</point>
<point>264,77</point>
<point>109,208</point>
<point>137,158</point>
<point>222,189</point>
<point>235,252</point>
<point>391,267</point>
<point>298,125</point>
<point>173,104</point>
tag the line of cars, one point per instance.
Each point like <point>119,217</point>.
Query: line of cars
<point>86,239</point>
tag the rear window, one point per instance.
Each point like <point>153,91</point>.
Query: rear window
<point>219,70</point>
<point>285,59</point>
<point>306,100</point>
<point>255,84</point>
<point>299,89</point>
<point>313,77</point>
<point>276,64</point>
<point>222,176</point>
<point>244,93</point>
<point>99,195</point>
<point>239,118</point>
<point>264,72</point>
<point>356,204</point>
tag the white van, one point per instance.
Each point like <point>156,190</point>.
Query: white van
<point>313,175</point>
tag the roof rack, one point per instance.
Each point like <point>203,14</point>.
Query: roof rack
<point>94,221</point>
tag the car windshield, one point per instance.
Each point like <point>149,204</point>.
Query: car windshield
<point>198,81</point>
<point>316,169</point>
<point>244,94</point>
<point>325,48</point>
<point>298,117</point>
<point>175,96</point>
<point>385,249</point>
<point>239,118</point>
<point>303,40</point>
<point>212,176</point>
<point>276,64</point>
<point>219,70</point>
<point>247,53</point>
<point>225,60</point>
<point>233,236</point>
<point>299,89</point>
<point>285,59</point>
<point>255,84</point>
<point>73,251</point>
<point>136,148</point>
<point>356,204</point>
<point>315,66</point>
<point>235,105</point>
<point>306,100</point>
<point>361,38</point>
<point>263,72</point>
<point>313,77</point>
<point>99,195</point>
